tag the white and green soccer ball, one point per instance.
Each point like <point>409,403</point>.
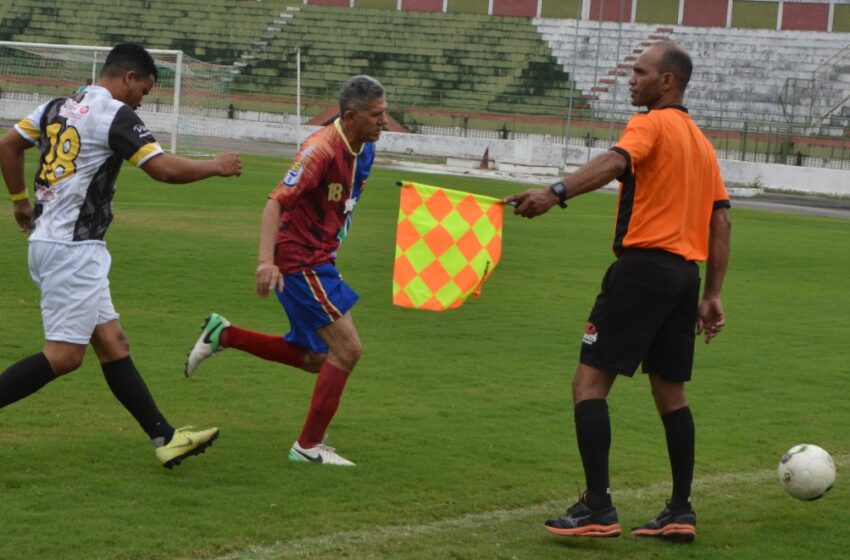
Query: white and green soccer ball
<point>806,472</point>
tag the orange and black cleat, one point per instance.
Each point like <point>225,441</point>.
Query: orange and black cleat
<point>677,526</point>
<point>581,521</point>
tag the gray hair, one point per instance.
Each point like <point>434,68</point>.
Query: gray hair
<point>358,92</point>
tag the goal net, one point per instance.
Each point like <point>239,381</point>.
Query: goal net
<point>188,94</point>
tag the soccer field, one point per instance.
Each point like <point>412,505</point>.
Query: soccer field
<point>460,422</point>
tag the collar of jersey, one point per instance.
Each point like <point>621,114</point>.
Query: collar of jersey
<point>681,108</point>
<point>98,90</point>
<point>338,126</point>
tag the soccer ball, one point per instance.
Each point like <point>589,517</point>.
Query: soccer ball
<point>806,472</point>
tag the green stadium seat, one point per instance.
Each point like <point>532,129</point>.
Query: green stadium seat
<point>457,61</point>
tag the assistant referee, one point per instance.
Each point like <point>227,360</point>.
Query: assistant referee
<point>672,213</point>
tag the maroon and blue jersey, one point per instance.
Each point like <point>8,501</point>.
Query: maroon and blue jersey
<point>317,197</point>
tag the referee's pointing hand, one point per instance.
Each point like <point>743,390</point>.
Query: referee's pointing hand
<point>532,202</point>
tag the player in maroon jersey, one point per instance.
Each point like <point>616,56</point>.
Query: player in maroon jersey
<point>305,219</point>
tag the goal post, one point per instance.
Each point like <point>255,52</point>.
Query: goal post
<point>188,90</point>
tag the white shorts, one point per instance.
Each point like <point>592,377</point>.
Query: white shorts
<point>74,286</point>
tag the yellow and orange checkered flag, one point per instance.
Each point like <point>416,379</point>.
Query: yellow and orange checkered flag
<point>447,244</point>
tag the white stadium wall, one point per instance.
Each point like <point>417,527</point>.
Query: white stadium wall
<point>830,182</point>
<point>517,152</point>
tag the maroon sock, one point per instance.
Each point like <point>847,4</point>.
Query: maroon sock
<point>326,394</point>
<point>265,346</point>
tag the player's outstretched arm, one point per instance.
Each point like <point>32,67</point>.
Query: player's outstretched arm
<point>167,168</point>
<point>596,173</point>
<point>711,318</point>
<point>12,148</point>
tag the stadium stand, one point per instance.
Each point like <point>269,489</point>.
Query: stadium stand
<point>739,72</point>
<point>216,31</point>
<point>463,62</point>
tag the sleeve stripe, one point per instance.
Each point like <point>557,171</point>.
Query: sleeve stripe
<point>144,153</point>
<point>28,130</point>
<point>629,170</point>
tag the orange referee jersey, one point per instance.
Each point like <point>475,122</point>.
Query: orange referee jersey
<point>670,187</point>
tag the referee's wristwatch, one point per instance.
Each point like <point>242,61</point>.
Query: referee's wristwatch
<point>559,190</point>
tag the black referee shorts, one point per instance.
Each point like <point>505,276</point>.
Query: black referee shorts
<point>646,312</point>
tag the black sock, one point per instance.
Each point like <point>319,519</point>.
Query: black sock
<point>128,387</point>
<point>593,431</point>
<point>679,427</point>
<point>25,377</point>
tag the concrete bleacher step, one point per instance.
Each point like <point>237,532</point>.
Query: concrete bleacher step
<point>739,70</point>
<point>223,30</point>
<point>424,59</point>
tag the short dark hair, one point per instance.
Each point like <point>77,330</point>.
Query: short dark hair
<point>676,61</point>
<point>358,92</point>
<point>129,56</point>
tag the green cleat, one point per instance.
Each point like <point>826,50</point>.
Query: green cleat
<point>208,343</point>
<point>185,443</point>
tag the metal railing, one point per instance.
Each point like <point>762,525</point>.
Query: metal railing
<point>796,91</point>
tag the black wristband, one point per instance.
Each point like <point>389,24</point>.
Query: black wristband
<point>559,190</point>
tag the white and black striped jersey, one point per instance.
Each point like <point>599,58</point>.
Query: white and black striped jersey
<point>83,141</point>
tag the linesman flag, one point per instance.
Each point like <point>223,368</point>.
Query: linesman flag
<point>447,244</point>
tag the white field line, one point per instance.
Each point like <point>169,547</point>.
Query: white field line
<point>334,541</point>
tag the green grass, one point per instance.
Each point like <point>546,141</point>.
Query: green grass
<point>460,422</point>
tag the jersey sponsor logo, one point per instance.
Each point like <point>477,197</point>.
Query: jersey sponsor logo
<point>590,334</point>
<point>141,130</point>
<point>73,110</point>
<point>294,174</point>
<point>44,194</point>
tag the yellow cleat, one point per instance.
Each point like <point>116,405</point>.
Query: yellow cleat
<point>185,443</point>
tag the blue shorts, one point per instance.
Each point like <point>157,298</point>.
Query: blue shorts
<point>313,299</point>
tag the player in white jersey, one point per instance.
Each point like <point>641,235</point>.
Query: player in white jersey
<point>83,141</point>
